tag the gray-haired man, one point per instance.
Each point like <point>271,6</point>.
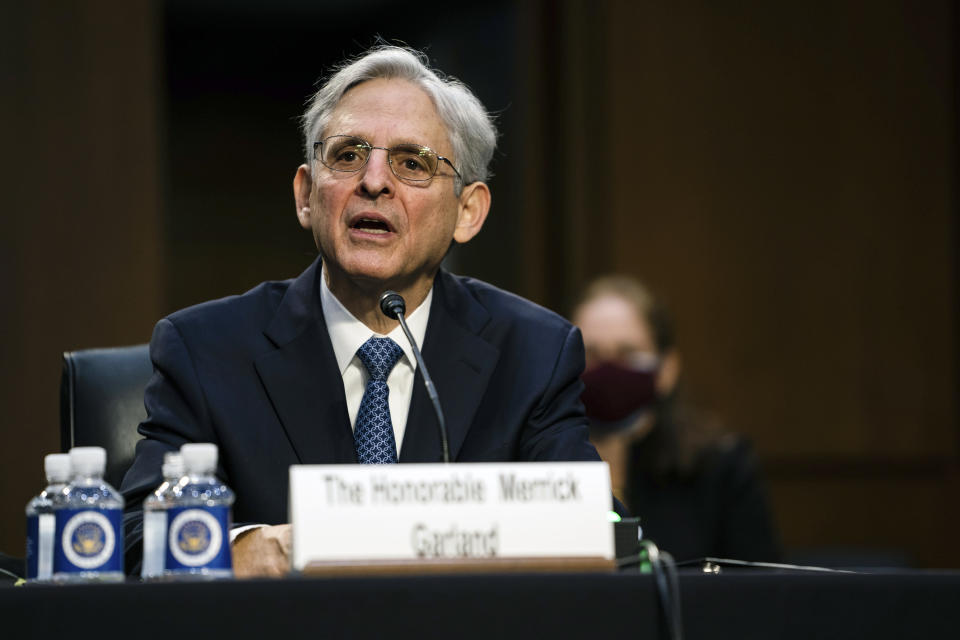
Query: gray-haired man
<point>292,372</point>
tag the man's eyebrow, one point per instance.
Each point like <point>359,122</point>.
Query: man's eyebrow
<point>399,142</point>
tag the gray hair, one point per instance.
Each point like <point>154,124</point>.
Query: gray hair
<point>473,135</point>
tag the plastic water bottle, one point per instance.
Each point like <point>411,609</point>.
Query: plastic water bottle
<point>88,543</point>
<point>155,517</point>
<point>199,519</point>
<point>41,522</point>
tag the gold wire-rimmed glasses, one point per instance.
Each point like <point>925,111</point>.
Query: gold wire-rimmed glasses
<point>350,154</point>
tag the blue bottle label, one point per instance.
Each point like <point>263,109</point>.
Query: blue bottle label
<point>88,540</point>
<point>198,538</point>
<point>33,535</point>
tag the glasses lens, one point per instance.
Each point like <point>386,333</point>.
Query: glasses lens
<point>344,153</point>
<point>413,162</point>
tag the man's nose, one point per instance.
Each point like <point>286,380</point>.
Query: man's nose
<point>376,177</point>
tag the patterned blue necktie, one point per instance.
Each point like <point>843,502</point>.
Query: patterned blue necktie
<point>373,435</point>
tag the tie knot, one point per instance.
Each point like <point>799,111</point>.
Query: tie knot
<point>379,355</point>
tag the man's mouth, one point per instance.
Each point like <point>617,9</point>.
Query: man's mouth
<point>371,225</point>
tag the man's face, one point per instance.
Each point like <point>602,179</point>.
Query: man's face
<point>373,229</point>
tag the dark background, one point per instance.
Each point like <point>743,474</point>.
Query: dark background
<point>784,176</point>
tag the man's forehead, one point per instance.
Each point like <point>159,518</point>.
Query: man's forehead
<point>391,110</point>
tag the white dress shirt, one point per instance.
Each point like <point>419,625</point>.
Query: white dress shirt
<point>347,334</point>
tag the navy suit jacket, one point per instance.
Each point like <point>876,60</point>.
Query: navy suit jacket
<point>256,375</point>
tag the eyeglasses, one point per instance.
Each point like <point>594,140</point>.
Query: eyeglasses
<point>407,161</point>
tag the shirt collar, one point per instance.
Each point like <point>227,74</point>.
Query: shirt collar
<point>347,333</point>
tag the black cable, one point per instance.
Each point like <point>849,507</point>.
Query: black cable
<point>668,587</point>
<point>673,582</point>
<point>731,562</point>
<point>11,574</point>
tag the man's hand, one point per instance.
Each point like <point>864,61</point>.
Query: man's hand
<point>264,551</point>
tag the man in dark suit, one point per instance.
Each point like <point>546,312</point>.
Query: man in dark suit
<point>310,371</point>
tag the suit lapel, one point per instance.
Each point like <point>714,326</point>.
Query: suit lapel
<point>302,378</point>
<point>460,363</point>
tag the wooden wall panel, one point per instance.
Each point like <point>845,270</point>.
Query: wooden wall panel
<point>874,509</point>
<point>80,228</point>
<point>785,177</point>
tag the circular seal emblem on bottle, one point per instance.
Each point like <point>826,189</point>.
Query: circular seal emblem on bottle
<point>88,540</point>
<point>195,537</point>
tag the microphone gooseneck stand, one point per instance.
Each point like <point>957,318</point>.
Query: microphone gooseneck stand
<point>393,306</point>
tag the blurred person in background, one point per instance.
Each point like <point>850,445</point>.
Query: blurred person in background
<point>696,489</point>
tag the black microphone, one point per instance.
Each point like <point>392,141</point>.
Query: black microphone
<point>393,306</point>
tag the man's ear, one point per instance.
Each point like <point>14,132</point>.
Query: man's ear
<point>302,186</point>
<point>472,211</point>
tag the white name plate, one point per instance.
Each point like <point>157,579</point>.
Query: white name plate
<point>450,511</point>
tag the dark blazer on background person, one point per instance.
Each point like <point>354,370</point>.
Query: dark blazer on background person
<point>256,375</point>
<point>720,510</point>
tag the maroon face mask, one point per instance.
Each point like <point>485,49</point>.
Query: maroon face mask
<point>615,393</point>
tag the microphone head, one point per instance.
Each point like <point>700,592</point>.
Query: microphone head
<point>392,304</point>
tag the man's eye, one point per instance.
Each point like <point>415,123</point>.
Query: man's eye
<point>348,157</point>
<point>414,164</point>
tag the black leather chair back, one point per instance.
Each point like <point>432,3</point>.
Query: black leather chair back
<point>101,402</point>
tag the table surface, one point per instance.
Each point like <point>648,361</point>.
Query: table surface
<point>741,603</point>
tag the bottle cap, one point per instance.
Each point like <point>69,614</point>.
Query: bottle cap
<point>57,467</point>
<point>172,465</point>
<point>88,461</point>
<point>199,457</point>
